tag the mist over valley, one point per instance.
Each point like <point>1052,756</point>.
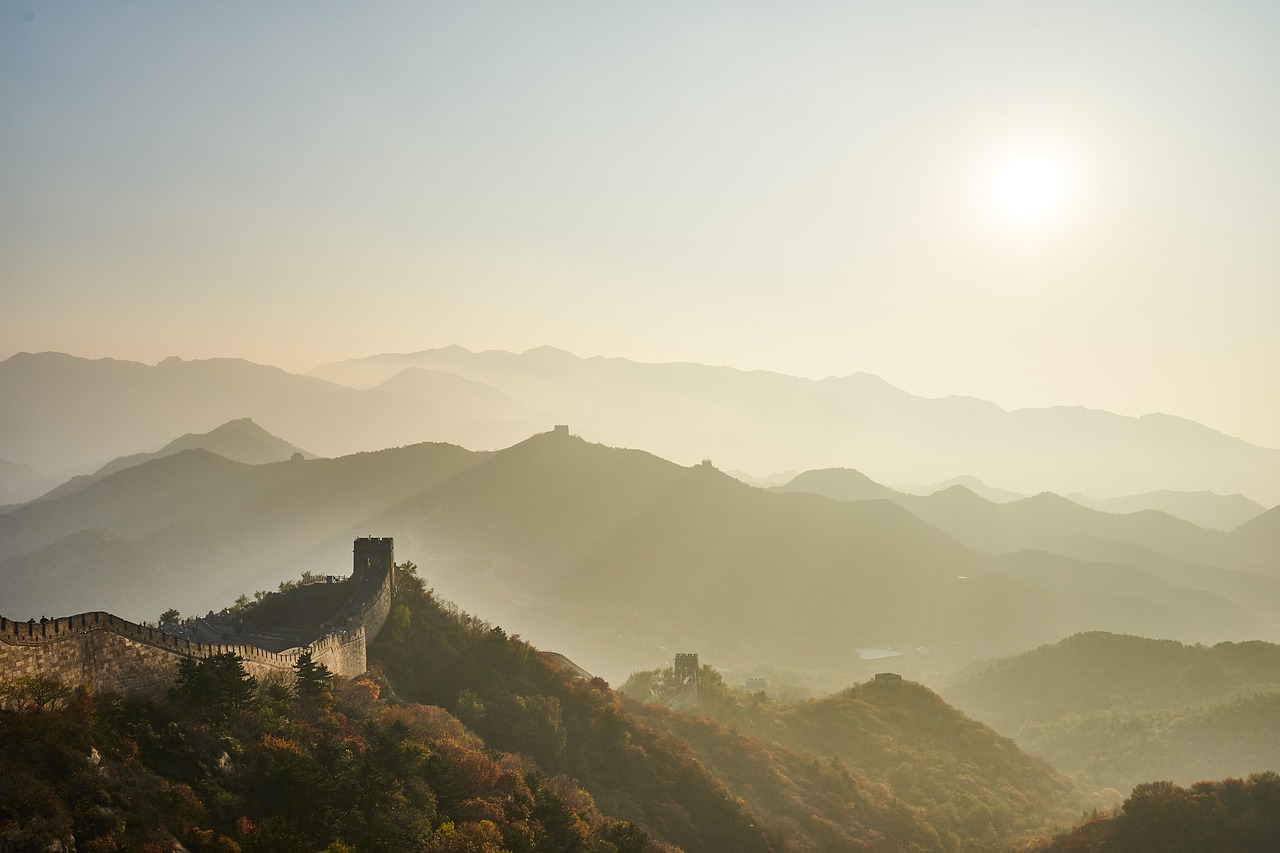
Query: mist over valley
<point>639,428</point>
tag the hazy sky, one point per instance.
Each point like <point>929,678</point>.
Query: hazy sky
<point>800,187</point>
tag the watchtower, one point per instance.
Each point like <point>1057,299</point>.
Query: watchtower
<point>374,556</point>
<point>685,694</point>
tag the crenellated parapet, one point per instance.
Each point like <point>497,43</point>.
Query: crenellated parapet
<point>109,653</point>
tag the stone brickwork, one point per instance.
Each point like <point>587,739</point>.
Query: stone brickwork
<point>112,654</point>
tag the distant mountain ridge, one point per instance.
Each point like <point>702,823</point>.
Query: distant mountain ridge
<point>762,421</point>
<point>1220,512</point>
<point>66,416</point>
<point>973,484</point>
<point>240,440</point>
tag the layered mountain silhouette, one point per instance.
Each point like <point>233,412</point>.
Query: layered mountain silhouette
<point>1206,509</point>
<point>240,440</point>
<point>617,557</point>
<point>973,484</point>
<point>69,416</point>
<point>759,421</point>
<point>1142,548</point>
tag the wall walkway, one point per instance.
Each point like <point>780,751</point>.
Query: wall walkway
<point>112,654</point>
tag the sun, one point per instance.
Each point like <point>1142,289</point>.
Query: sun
<point>1028,187</point>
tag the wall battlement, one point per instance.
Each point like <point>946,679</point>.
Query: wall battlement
<point>109,653</point>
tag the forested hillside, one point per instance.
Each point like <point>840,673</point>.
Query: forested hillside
<point>464,738</point>
<point>1114,711</point>
<point>764,798</point>
<point>1097,671</point>
<point>1104,748</point>
<point>968,781</point>
<point>1241,816</point>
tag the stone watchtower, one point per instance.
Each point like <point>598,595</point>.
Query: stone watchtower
<point>685,695</point>
<point>373,557</point>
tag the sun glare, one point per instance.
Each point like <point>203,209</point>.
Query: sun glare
<point>1028,187</point>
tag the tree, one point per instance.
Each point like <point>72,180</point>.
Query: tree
<point>32,693</point>
<point>170,617</point>
<point>314,679</point>
<point>218,684</point>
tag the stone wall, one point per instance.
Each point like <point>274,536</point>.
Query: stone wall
<point>111,654</point>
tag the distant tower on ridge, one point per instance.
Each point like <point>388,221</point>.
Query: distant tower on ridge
<point>685,695</point>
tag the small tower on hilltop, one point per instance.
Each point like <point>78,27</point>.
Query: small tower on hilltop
<point>685,694</point>
<point>373,557</point>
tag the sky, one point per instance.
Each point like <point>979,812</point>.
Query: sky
<point>808,188</point>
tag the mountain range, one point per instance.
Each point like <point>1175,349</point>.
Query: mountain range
<point>620,558</point>
<point>761,421</point>
<point>65,416</point>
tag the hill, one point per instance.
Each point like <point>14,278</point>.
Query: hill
<point>1229,739</point>
<point>240,441</point>
<point>774,799</point>
<point>1234,814</point>
<point>898,734</point>
<point>973,484</point>
<point>1118,710</point>
<point>1109,672</point>
<point>1204,509</point>
<point>1261,535</point>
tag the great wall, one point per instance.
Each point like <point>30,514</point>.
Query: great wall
<point>110,654</point>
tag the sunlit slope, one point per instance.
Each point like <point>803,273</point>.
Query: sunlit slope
<point>966,779</point>
<point>768,798</point>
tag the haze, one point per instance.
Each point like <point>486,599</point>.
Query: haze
<point>809,190</point>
